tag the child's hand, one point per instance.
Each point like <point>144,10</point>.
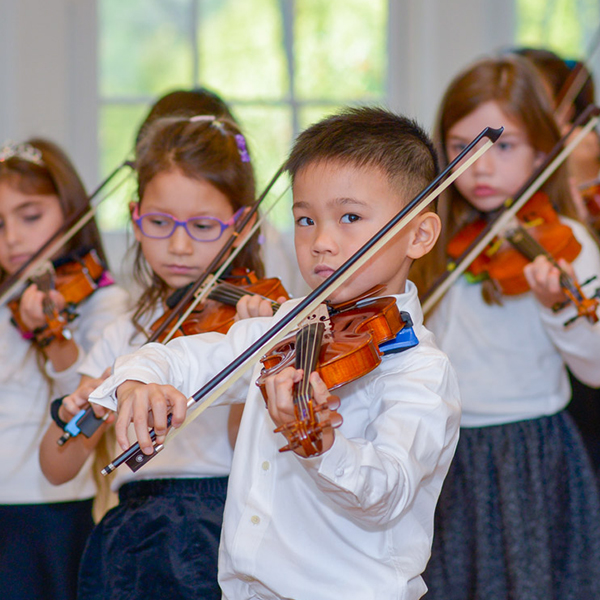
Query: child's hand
<point>73,403</point>
<point>148,405</point>
<point>255,306</point>
<point>544,280</point>
<point>280,404</point>
<point>31,306</point>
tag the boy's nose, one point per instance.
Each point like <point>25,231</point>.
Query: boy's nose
<point>324,241</point>
<point>180,242</point>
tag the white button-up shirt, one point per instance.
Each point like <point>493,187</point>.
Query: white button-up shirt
<point>356,522</point>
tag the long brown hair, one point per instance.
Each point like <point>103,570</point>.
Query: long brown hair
<point>200,149</point>
<point>513,83</point>
<point>56,176</point>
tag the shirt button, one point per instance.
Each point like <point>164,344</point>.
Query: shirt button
<point>339,472</point>
<point>255,519</point>
<point>265,465</point>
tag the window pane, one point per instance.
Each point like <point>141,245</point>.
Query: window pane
<point>560,25</point>
<point>340,49</point>
<point>118,129</point>
<point>144,46</point>
<point>240,50</point>
<point>268,131</point>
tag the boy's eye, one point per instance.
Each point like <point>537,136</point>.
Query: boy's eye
<point>350,218</point>
<point>304,221</point>
<point>505,145</point>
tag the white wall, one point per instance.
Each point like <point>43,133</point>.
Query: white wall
<point>48,76</point>
<point>431,40</point>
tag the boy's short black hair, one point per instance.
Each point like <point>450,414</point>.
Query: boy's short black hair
<point>370,137</point>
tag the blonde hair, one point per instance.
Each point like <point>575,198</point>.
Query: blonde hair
<point>514,84</point>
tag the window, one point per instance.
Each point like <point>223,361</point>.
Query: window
<point>564,26</point>
<point>280,64</point>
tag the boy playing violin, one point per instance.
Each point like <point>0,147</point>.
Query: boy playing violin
<point>355,521</point>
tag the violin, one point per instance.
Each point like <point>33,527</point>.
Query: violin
<point>341,344</point>
<point>134,458</point>
<point>537,231</point>
<point>590,192</point>
<point>218,312</point>
<point>75,279</point>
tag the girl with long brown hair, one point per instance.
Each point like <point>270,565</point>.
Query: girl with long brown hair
<point>43,528</point>
<point>195,180</point>
<point>519,513</point>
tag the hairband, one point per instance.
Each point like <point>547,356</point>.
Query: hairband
<point>240,140</point>
<point>22,151</point>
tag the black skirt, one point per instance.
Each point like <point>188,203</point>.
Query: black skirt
<point>40,549</point>
<point>161,541</point>
<point>518,517</point>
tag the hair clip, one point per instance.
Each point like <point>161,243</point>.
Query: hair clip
<point>22,151</point>
<point>241,144</point>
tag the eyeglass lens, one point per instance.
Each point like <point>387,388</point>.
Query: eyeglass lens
<point>202,229</point>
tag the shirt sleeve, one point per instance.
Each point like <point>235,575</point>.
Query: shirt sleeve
<point>406,450</point>
<point>95,314</point>
<point>186,363</point>
<point>578,342</point>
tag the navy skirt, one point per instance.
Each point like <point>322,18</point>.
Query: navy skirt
<point>518,517</point>
<point>161,541</point>
<point>40,549</point>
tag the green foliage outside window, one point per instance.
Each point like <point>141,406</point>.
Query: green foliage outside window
<point>281,65</point>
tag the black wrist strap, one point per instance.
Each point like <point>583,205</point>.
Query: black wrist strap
<point>54,408</point>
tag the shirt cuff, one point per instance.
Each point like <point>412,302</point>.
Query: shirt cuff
<point>66,381</point>
<point>106,393</point>
<point>335,465</point>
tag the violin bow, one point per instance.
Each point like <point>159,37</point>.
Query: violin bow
<point>213,389</point>
<point>554,159</point>
<point>64,233</point>
<point>208,279</point>
<point>576,80</point>
<point>208,276</point>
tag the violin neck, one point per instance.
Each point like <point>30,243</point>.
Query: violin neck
<point>45,281</point>
<point>530,248</point>
<point>230,294</point>
<point>308,348</point>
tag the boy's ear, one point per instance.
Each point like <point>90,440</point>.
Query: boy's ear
<point>246,231</point>
<point>425,231</point>
<point>136,230</point>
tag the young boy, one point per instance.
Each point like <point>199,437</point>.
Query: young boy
<point>357,520</point>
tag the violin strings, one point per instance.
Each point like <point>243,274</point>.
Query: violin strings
<point>229,293</point>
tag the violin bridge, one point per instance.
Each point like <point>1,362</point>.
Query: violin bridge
<point>319,315</point>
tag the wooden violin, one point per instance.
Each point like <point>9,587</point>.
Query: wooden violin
<point>75,279</point>
<point>341,343</point>
<point>213,389</point>
<point>590,192</point>
<point>218,312</point>
<point>536,231</point>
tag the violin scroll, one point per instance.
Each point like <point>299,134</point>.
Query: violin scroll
<point>306,434</point>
